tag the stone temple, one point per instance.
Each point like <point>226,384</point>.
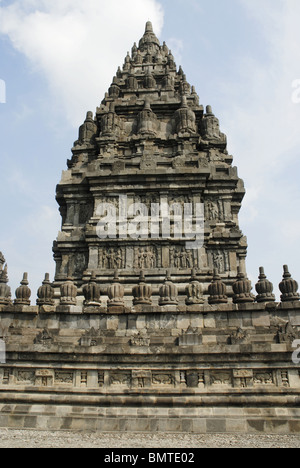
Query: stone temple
<point>150,323</point>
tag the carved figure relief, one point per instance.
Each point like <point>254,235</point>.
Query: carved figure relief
<point>44,338</point>
<point>214,210</point>
<point>112,258</point>
<point>220,261</point>
<point>146,258</point>
<point>182,258</point>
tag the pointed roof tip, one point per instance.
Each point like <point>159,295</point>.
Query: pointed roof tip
<point>149,27</point>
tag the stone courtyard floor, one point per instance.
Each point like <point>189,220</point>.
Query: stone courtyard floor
<point>39,439</point>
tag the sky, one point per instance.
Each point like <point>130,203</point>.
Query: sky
<point>57,60</point>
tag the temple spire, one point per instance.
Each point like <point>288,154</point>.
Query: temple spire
<point>149,41</point>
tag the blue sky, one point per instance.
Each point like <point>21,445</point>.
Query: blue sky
<point>58,58</point>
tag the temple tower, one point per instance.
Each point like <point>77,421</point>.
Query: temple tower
<point>150,145</point>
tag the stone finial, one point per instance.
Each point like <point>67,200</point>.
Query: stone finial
<point>242,289</point>
<point>194,291</point>
<point>142,293</point>
<point>147,121</point>
<point>165,48</point>
<point>116,292</point>
<point>138,58</point>
<point>171,61</point>
<point>45,292</point>
<point>23,293</point>
<point>5,291</point>
<point>185,87</point>
<point>264,288</point>
<point>114,91</point>
<point>68,293</point>
<point>110,122</point>
<point>168,292</point>
<point>127,63</point>
<point>217,290</point>
<point>288,287</point>
<point>149,81</point>
<point>149,39</point>
<point>149,27</point>
<point>210,127</point>
<point>2,261</point>
<point>87,131</point>
<point>92,292</point>
<point>185,118</point>
<point>168,82</point>
<point>132,82</point>
<point>134,50</point>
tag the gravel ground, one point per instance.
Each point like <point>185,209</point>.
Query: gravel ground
<point>39,439</point>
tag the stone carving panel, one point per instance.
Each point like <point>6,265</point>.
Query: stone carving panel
<point>120,378</point>
<point>64,377</point>
<point>219,260</point>
<point>146,258</point>
<point>140,340</point>
<point>221,378</point>
<point>112,258</point>
<point>160,378</point>
<point>141,378</point>
<point>25,377</point>
<point>183,259</point>
<point>264,378</point>
<point>214,210</point>
<point>44,378</point>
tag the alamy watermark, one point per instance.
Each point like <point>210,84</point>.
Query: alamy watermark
<point>2,92</point>
<point>181,221</point>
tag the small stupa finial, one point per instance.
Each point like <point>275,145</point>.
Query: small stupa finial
<point>149,27</point>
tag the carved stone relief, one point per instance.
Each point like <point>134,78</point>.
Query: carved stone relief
<point>219,260</point>
<point>182,258</point>
<point>120,378</point>
<point>214,210</point>
<point>146,258</point>
<point>111,258</point>
<point>264,378</point>
<point>163,379</point>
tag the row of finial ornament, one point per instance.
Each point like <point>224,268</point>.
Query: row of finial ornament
<point>142,293</point>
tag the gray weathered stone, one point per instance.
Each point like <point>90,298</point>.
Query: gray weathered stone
<point>107,350</point>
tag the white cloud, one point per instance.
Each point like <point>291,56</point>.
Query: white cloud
<point>76,44</point>
<point>262,123</point>
<point>264,119</point>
